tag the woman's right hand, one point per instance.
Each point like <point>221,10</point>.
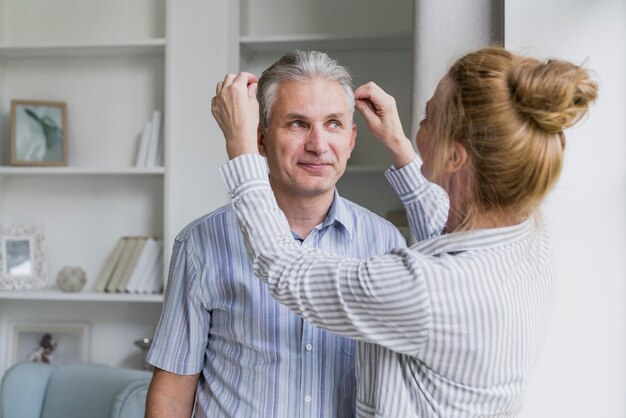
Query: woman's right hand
<point>236,110</point>
<point>381,114</point>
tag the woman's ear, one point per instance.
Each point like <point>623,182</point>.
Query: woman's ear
<point>260,140</point>
<point>457,157</point>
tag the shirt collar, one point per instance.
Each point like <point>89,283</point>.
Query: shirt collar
<point>338,212</point>
<point>478,239</point>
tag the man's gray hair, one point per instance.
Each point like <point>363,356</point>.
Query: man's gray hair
<point>300,66</point>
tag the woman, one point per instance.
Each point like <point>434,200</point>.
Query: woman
<point>452,326</point>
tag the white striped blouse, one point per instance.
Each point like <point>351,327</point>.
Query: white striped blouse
<point>448,328</point>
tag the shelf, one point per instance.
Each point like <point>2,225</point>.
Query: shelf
<point>78,171</point>
<point>140,48</point>
<point>384,41</point>
<point>89,296</point>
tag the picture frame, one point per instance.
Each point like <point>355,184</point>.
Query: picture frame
<point>38,133</point>
<point>45,342</point>
<point>22,257</point>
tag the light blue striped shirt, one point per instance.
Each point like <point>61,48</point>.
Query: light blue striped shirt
<point>448,328</point>
<point>257,358</point>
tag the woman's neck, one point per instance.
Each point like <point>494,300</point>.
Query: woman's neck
<point>474,219</point>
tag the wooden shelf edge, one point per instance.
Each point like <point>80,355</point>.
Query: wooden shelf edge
<point>87,296</point>
<point>78,171</point>
<point>136,48</point>
<point>280,43</point>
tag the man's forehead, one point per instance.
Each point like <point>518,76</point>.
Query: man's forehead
<point>331,115</point>
<point>302,99</point>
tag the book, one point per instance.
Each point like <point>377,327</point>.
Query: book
<point>157,277</point>
<point>144,263</point>
<point>132,263</point>
<point>155,139</point>
<point>122,264</point>
<point>146,283</point>
<point>155,283</point>
<point>144,142</point>
<point>109,266</point>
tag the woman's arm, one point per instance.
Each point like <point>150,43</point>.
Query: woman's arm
<point>426,204</point>
<point>381,300</point>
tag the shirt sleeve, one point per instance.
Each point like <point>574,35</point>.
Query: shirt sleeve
<point>426,203</point>
<point>382,300</point>
<point>180,340</point>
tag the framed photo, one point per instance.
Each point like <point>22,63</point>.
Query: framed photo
<point>54,343</point>
<point>38,132</point>
<point>22,257</point>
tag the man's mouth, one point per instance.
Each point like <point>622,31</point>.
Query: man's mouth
<point>314,165</point>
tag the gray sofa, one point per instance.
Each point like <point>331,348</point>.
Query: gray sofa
<point>81,390</point>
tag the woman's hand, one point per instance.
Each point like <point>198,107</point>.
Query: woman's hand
<point>236,110</point>
<point>381,114</point>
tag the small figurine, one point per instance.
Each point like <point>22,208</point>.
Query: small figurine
<point>144,344</point>
<point>43,354</point>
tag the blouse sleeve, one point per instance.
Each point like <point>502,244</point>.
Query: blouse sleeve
<point>382,300</point>
<point>426,203</point>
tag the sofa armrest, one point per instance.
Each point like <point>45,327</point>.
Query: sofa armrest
<point>131,401</point>
<point>94,390</point>
<point>23,390</point>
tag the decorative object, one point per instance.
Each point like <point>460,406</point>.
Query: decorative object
<point>54,343</point>
<point>38,132</point>
<point>22,257</point>
<point>145,344</point>
<point>71,279</point>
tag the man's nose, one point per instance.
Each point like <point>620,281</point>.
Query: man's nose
<point>317,141</point>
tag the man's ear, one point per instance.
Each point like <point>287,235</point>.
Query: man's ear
<point>260,140</point>
<point>457,157</point>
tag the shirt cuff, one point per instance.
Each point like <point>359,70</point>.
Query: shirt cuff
<point>242,170</point>
<point>406,179</point>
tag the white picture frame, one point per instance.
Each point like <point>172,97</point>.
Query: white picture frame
<point>53,343</point>
<point>22,257</point>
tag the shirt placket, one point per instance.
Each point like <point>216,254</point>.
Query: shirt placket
<point>308,350</point>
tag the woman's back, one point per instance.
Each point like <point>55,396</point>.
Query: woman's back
<point>490,293</point>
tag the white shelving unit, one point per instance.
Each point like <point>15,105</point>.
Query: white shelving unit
<point>373,39</point>
<point>106,60</point>
<point>114,63</point>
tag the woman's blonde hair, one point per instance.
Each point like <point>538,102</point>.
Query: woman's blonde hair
<point>509,112</point>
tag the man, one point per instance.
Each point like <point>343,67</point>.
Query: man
<point>222,338</point>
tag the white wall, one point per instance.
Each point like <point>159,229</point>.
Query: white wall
<point>582,371</point>
<point>198,55</point>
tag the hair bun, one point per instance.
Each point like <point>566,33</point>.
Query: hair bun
<point>554,94</point>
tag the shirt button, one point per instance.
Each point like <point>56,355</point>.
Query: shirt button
<point>308,347</point>
<point>307,399</point>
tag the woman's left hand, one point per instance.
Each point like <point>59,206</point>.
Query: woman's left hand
<point>381,114</point>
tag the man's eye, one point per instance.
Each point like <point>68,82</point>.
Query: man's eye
<point>297,124</point>
<point>334,124</point>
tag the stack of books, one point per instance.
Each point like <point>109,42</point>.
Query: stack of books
<point>134,266</point>
<point>150,149</point>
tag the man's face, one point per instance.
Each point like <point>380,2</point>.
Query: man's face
<point>309,137</point>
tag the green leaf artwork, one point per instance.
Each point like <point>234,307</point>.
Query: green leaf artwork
<point>53,135</point>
